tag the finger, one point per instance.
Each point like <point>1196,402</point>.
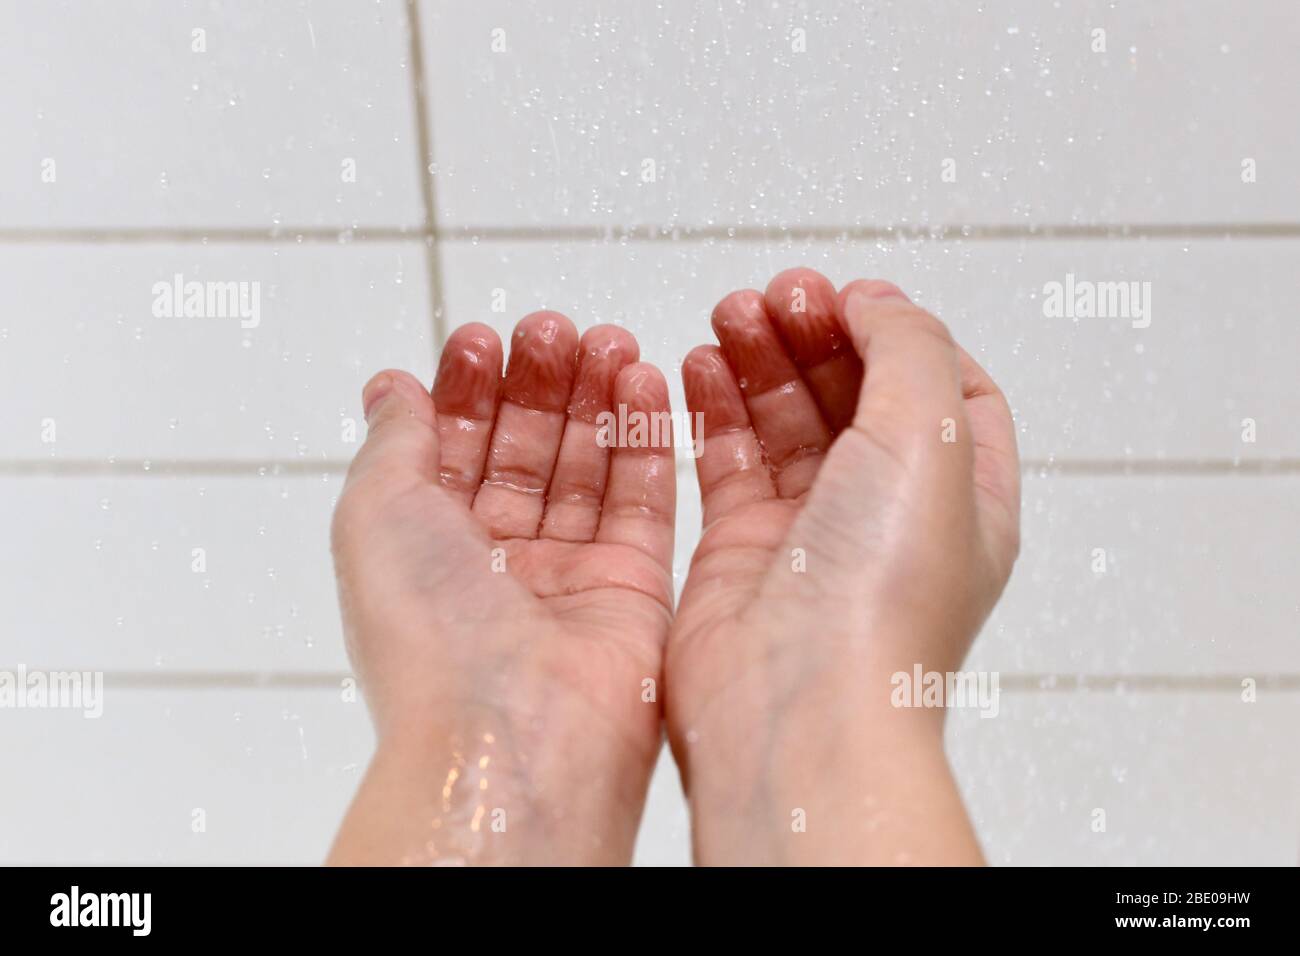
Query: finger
<point>530,422</point>
<point>730,465</point>
<point>641,498</point>
<point>784,415</point>
<point>401,432</point>
<point>912,384</point>
<point>578,485</point>
<point>465,396</point>
<point>801,304</point>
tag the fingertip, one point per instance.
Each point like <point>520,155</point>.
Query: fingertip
<point>858,298</point>
<point>736,308</point>
<point>546,327</point>
<point>866,289</point>
<point>604,351</point>
<point>701,360</point>
<point>711,389</point>
<point>641,386</point>
<point>609,340</point>
<point>478,338</point>
<point>802,305</point>
<point>752,346</point>
<point>779,293</point>
<point>469,372</point>
<point>543,362</point>
<point>380,384</point>
<point>388,383</point>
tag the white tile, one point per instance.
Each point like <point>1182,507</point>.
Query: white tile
<point>1199,578</point>
<point>1180,595</point>
<point>272,770</point>
<point>1183,779</point>
<point>254,132</point>
<point>1219,349</point>
<point>81,347</point>
<point>744,130</point>
<point>101,573</point>
<point>665,835</point>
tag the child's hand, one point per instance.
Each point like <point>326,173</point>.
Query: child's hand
<point>856,523</point>
<point>506,590</point>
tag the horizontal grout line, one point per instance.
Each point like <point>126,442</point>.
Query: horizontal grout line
<point>217,680</point>
<point>1018,683</point>
<point>974,232</point>
<point>969,231</point>
<point>168,863</point>
<point>1144,683</point>
<point>146,468</point>
<point>227,468</point>
<point>1166,467</point>
<point>280,234</point>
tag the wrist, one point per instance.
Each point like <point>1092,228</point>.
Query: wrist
<point>866,785</point>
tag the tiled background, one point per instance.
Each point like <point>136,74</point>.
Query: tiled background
<point>520,171</point>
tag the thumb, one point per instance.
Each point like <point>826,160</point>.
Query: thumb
<point>912,370</point>
<point>402,428</point>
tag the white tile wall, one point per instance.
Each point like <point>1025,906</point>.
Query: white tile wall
<point>253,132</point>
<point>222,683</point>
<point>83,348</point>
<point>743,130</point>
<point>262,599</point>
<point>272,769</point>
<point>1184,779</point>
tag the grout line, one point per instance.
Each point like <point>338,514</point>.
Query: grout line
<point>969,231</point>
<point>434,234</point>
<point>144,468</point>
<point>1029,683</point>
<point>1161,466</point>
<point>342,235</point>
<point>230,468</point>
<point>1144,683</point>
<point>424,147</point>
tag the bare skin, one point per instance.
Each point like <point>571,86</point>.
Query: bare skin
<point>506,591</point>
<point>861,503</point>
<point>860,485</point>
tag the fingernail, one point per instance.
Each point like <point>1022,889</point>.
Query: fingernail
<point>374,392</point>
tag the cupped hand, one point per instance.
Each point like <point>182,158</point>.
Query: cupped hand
<point>860,488</point>
<point>506,587</point>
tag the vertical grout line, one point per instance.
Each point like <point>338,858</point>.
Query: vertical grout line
<point>424,144</point>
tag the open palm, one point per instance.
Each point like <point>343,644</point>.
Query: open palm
<point>491,552</point>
